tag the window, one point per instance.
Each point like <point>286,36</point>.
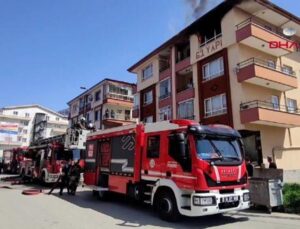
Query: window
<point>96,115</point>
<point>119,89</point>
<point>15,112</point>
<point>74,109</point>
<point>165,113</point>
<point>186,110</point>
<point>136,100</point>
<point>24,131</point>
<point>24,140</point>
<point>19,138</point>
<point>147,72</point>
<point>215,105</point>
<point>213,69</point>
<point>25,123</point>
<point>88,117</point>
<point>287,69</point>
<point>148,119</point>
<point>271,64</point>
<point>27,115</point>
<point>153,146</point>
<point>57,118</point>
<point>148,97</point>
<point>165,89</point>
<point>291,105</point>
<point>275,102</point>
<point>98,95</point>
<point>47,118</point>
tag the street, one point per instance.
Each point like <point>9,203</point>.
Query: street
<point>85,211</point>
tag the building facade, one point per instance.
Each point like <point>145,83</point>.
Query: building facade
<point>232,66</point>
<point>18,123</point>
<point>107,104</point>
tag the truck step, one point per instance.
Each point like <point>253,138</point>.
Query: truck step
<point>186,207</point>
<point>147,201</point>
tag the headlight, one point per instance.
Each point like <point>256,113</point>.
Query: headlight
<point>204,201</point>
<point>246,197</point>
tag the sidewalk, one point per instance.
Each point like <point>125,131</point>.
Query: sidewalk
<point>264,214</point>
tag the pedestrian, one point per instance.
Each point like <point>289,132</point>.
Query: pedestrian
<point>249,167</point>
<point>64,181</point>
<point>272,165</point>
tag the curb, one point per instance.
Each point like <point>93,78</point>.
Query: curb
<point>267,216</point>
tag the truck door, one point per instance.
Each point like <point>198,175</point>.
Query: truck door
<point>103,162</point>
<point>152,164</point>
<point>90,173</point>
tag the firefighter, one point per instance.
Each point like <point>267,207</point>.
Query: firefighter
<point>64,181</point>
<point>74,176</point>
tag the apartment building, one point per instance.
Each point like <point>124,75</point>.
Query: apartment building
<point>232,66</point>
<point>17,124</point>
<point>107,104</point>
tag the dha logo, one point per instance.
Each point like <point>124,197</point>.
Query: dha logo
<point>289,32</point>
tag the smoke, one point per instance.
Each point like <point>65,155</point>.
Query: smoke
<point>198,7</point>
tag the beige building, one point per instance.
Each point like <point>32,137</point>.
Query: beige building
<point>18,122</point>
<point>237,65</point>
<point>106,104</point>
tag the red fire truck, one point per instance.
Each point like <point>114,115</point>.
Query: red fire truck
<point>179,167</point>
<point>47,156</point>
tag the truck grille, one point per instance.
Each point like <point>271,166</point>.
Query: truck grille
<point>229,205</point>
<point>211,183</point>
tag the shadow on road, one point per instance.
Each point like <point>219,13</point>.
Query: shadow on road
<point>136,215</point>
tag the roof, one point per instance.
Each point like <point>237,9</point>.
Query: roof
<point>34,105</point>
<point>97,84</point>
<point>218,12</point>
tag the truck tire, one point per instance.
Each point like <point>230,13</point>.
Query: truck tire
<point>166,206</point>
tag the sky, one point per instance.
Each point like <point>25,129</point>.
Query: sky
<point>50,48</point>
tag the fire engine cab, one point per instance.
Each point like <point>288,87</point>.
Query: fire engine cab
<point>179,167</point>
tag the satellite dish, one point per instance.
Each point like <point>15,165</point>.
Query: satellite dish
<point>289,32</point>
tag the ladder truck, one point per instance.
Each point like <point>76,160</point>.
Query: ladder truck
<point>48,155</point>
<point>179,167</point>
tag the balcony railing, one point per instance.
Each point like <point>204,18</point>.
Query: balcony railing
<point>272,29</point>
<point>269,106</point>
<point>119,97</point>
<point>266,64</point>
<point>184,87</point>
<point>163,68</point>
<point>121,117</point>
<point>161,97</point>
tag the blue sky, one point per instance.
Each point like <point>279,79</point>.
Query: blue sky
<point>49,48</point>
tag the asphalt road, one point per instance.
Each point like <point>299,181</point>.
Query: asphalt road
<point>83,211</point>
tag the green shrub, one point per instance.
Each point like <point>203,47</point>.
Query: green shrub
<point>291,197</point>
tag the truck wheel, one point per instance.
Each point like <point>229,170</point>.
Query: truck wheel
<point>166,206</point>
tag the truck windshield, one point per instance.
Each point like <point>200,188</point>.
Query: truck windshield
<point>219,149</point>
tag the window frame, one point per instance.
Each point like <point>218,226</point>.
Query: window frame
<point>181,104</point>
<point>211,112</point>
<point>163,110</point>
<point>144,99</point>
<point>168,94</point>
<point>145,74</point>
<point>210,76</point>
<point>294,109</point>
<point>156,154</point>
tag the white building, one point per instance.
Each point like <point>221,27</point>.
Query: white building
<point>107,104</point>
<point>17,123</point>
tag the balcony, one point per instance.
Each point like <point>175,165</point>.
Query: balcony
<point>185,93</point>
<point>118,99</point>
<point>113,119</point>
<point>165,72</point>
<point>270,114</point>
<point>266,74</point>
<point>255,34</point>
<point>182,64</point>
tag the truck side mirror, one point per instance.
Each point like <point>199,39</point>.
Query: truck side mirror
<point>180,143</point>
